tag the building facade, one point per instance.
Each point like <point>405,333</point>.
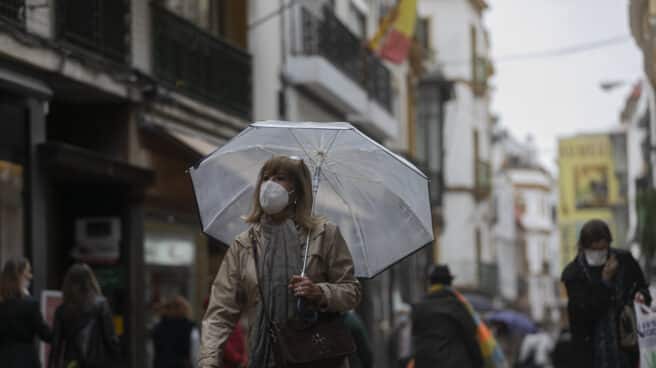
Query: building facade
<point>526,229</point>
<point>642,19</point>
<point>104,106</point>
<point>455,31</point>
<point>592,184</point>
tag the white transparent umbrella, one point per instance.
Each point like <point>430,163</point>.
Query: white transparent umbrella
<point>379,200</point>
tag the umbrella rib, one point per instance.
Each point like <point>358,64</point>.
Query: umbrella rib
<point>307,154</point>
<point>355,221</point>
<point>332,143</point>
<point>298,141</point>
<point>231,201</point>
<point>258,146</point>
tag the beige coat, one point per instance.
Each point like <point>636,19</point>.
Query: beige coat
<point>235,287</point>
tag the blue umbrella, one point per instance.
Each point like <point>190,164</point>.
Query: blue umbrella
<point>516,321</point>
<point>479,302</point>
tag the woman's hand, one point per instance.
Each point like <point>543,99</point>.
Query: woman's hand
<point>303,286</point>
<point>639,298</point>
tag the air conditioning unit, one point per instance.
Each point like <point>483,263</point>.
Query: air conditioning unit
<point>97,239</point>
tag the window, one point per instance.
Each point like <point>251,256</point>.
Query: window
<point>100,26</point>
<point>479,65</point>
<point>12,11</point>
<point>428,120</point>
<point>358,22</point>
<point>422,32</point>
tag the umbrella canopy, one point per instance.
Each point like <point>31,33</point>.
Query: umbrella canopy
<point>514,320</point>
<point>379,200</point>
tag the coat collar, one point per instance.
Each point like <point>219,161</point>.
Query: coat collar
<point>318,230</point>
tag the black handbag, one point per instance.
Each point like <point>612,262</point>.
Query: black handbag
<point>90,341</point>
<point>322,342</point>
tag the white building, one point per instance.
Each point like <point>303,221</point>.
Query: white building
<point>635,120</point>
<point>460,41</point>
<point>310,65</point>
<point>525,229</point>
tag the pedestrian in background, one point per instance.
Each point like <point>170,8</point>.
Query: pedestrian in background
<point>444,332</point>
<point>84,335</point>
<point>363,357</point>
<point>601,281</point>
<point>175,336</point>
<point>20,318</point>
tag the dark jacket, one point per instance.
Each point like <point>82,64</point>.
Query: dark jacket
<point>444,333</point>
<point>69,323</point>
<point>590,299</point>
<point>20,323</point>
<point>172,343</point>
<point>363,357</point>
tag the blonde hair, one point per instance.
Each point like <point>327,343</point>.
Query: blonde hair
<point>301,209</point>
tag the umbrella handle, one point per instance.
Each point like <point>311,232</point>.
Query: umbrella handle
<point>316,178</point>
<point>300,301</point>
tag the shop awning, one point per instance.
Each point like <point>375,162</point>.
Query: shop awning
<point>70,163</point>
<point>196,143</point>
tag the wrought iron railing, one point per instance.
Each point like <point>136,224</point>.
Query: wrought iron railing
<point>99,26</point>
<point>192,61</point>
<point>12,11</point>
<point>378,80</point>
<point>330,38</point>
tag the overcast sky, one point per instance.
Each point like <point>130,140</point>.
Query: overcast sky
<point>559,96</point>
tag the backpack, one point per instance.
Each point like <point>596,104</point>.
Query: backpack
<point>91,344</point>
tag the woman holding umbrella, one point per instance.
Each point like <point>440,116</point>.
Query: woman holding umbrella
<point>261,272</point>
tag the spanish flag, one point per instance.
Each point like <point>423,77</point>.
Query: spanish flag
<point>393,39</point>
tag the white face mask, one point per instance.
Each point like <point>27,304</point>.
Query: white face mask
<point>273,197</point>
<point>596,257</point>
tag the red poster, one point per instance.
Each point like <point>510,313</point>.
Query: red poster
<point>50,300</point>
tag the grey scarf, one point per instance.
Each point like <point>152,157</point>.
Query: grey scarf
<point>279,258</point>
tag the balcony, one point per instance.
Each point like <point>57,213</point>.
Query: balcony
<point>189,60</point>
<point>193,62</point>
<point>98,26</point>
<point>12,11</point>
<point>483,185</point>
<point>331,61</point>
